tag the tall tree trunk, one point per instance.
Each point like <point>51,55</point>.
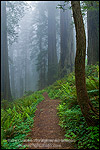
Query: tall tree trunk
<point>12,71</point>
<point>5,82</point>
<point>26,83</point>
<point>52,54</point>
<point>41,33</point>
<point>40,75</point>
<point>21,92</point>
<point>83,100</point>
<point>66,36</point>
<point>93,35</point>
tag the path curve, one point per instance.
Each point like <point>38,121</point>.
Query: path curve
<point>46,133</point>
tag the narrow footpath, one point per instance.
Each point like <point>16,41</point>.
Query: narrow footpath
<point>46,133</point>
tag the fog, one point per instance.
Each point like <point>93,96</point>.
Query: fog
<point>35,34</point>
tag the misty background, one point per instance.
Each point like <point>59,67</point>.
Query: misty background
<point>37,32</point>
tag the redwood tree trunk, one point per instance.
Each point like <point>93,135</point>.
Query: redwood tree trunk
<point>66,42</point>
<point>83,100</point>
<point>93,35</point>
<point>52,53</point>
<point>5,82</point>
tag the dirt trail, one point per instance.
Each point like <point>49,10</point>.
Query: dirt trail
<point>46,133</point>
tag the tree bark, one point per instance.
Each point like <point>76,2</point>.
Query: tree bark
<point>93,35</point>
<point>87,109</point>
<point>5,82</point>
<point>66,44</point>
<point>52,54</point>
<point>12,74</point>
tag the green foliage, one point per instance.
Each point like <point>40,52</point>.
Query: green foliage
<point>15,11</point>
<point>69,112</point>
<point>17,118</point>
<point>92,70</point>
<point>89,138</point>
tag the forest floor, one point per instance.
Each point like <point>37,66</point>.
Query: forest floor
<point>46,133</point>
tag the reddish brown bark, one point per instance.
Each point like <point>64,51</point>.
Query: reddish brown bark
<point>87,109</point>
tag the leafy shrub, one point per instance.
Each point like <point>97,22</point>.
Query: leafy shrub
<point>92,70</point>
<point>89,138</point>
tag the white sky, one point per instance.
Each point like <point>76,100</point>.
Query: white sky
<point>28,1</point>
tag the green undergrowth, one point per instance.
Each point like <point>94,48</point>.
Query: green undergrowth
<point>69,112</point>
<point>17,117</point>
<point>17,120</point>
